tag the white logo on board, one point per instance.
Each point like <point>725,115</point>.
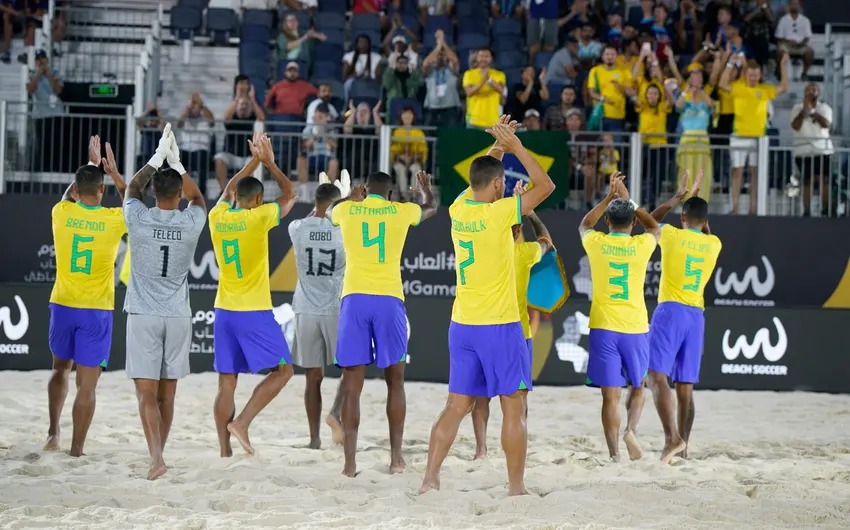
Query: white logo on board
<point>761,343</point>
<point>568,345</point>
<point>14,331</point>
<point>749,282</point>
<point>206,266</point>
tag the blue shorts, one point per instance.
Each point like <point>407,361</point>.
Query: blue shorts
<point>676,340</point>
<point>372,329</point>
<point>248,342</point>
<point>317,163</point>
<point>488,360</point>
<point>617,359</point>
<point>81,335</point>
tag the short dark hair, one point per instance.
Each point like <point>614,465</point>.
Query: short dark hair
<point>753,64</point>
<point>620,213</point>
<point>167,183</point>
<point>612,47</point>
<point>484,170</point>
<point>248,188</point>
<point>379,183</point>
<point>88,179</point>
<point>327,193</point>
<point>238,79</point>
<point>695,210</point>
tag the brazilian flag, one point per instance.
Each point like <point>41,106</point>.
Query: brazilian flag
<point>457,148</point>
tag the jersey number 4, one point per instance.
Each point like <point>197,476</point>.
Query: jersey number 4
<point>321,269</point>
<point>378,240</point>
<point>620,281</point>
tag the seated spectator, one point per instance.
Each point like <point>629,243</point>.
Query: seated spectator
<point>288,96</point>
<point>324,96</point>
<point>652,111</point>
<point>813,149</point>
<point>292,45</point>
<point>529,93</point>
<point>196,123</point>
<point>555,118</point>
<point>507,8</point>
<point>542,26</point>
<point>408,151</point>
<point>360,62</point>
<point>401,81</point>
<point>531,120</point>
<point>563,66</point>
<point>694,153</point>
<point>611,85</point>
<point>589,50</point>
<point>793,33</point>
<point>484,89</point>
<point>435,7</point>
<point>318,152</point>
<point>442,100</point>
<point>241,86</point>
<point>299,5</point>
<point>689,28</point>
<point>150,125</point>
<point>396,45</point>
<point>615,30</point>
<point>239,121</point>
<point>360,145</point>
<point>367,6</point>
<point>759,21</point>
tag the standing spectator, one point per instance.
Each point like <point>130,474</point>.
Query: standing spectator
<point>442,101</point>
<point>401,47</point>
<point>555,118</point>
<point>609,162</point>
<point>542,26</point>
<point>719,14</point>
<point>689,28</point>
<point>401,81</point>
<point>610,85</point>
<point>484,89</point>
<point>563,66</point>
<point>578,15</point>
<point>647,15</point>
<point>289,95</point>
<point>811,121</point>
<point>589,49</point>
<point>318,152</point>
<point>361,62</point>
<point>663,32</point>
<point>239,121</point>
<point>324,95</point>
<point>582,154</point>
<point>45,88</point>
<point>241,86</point>
<point>408,151</point>
<point>615,30</point>
<point>694,152</point>
<point>759,20</point>
<point>531,120</point>
<point>196,123</point>
<point>292,45</point>
<point>652,109</point>
<point>793,33</point>
<point>604,8</point>
<point>360,146</point>
<point>529,93</point>
<point>751,100</point>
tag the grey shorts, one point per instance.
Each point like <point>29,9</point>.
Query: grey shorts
<point>315,340</point>
<point>542,29</point>
<point>158,347</point>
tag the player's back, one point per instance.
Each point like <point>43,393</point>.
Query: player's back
<point>86,239</point>
<point>618,264</point>
<point>163,246</point>
<point>374,231</point>
<point>241,244</point>
<point>484,261</point>
<point>688,258</point>
<point>320,260</point>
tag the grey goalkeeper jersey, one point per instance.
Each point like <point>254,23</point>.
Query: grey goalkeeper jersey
<point>162,247</point>
<point>320,260</point>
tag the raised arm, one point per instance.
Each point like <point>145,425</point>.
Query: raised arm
<point>542,183</point>
<point>429,203</point>
<point>498,150</point>
<point>191,191</point>
<point>111,169</point>
<point>592,217</point>
<point>783,74</point>
<point>540,232</point>
<point>661,212</point>
<point>262,149</point>
<point>647,221</point>
<point>230,190</point>
<point>140,180</point>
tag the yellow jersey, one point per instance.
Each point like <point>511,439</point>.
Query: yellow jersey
<point>486,278</point>
<point>86,239</point>
<point>482,108</point>
<point>652,123</point>
<point>751,108</point>
<point>526,256</point>
<point>688,258</point>
<point>241,244</point>
<point>615,101</point>
<point>617,273</point>
<point>373,234</point>
<point>124,275</point>
<point>410,142</point>
<point>725,100</point>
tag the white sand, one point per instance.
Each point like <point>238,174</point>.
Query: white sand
<point>764,460</point>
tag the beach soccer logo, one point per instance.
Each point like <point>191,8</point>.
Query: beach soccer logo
<point>568,345</point>
<point>12,331</point>
<point>769,343</point>
<point>751,289</point>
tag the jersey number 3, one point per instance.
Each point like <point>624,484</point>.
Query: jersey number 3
<point>620,280</point>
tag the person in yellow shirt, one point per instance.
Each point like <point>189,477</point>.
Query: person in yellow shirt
<point>609,162</point>
<point>653,108</point>
<point>408,150</point>
<point>688,257</point>
<point>611,85</point>
<point>751,99</point>
<point>619,345</point>
<point>247,337</point>
<point>86,237</point>
<point>485,92</point>
<point>488,355</point>
<point>372,318</point>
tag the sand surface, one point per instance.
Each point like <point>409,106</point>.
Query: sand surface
<point>759,460</point>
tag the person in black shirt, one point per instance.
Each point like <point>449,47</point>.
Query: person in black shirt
<point>530,93</point>
<point>239,121</point>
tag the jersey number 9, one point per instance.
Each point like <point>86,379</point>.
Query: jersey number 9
<point>230,253</point>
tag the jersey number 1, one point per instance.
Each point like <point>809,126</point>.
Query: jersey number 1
<point>621,280</point>
<point>377,240</point>
<point>230,252</point>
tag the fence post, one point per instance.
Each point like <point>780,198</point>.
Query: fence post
<point>635,175</point>
<point>129,143</point>
<point>140,99</point>
<point>22,124</point>
<point>384,149</point>
<point>761,175</point>
<point>2,147</point>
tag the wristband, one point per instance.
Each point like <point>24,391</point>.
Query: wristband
<point>634,204</point>
<point>156,161</point>
<point>730,64</point>
<point>93,164</point>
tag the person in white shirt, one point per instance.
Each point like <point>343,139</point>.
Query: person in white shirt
<point>360,62</point>
<point>401,46</point>
<point>196,123</point>
<point>793,34</point>
<point>325,95</point>
<point>811,121</point>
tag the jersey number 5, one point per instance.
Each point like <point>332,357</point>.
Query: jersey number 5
<point>377,240</point>
<point>79,255</point>
<point>470,259</point>
<point>230,252</point>
<point>690,261</point>
<point>621,280</point>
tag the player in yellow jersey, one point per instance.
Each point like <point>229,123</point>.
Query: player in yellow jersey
<point>688,257</point>
<point>488,355</point>
<point>372,318</point>
<point>247,337</point>
<point>86,236</point>
<point>619,345</point>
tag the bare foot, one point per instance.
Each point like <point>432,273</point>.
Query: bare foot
<point>684,453</point>
<point>397,466</point>
<point>350,471</point>
<point>519,490</point>
<point>429,484</point>
<point>226,451</point>
<point>480,453</point>
<point>336,429</point>
<point>315,444</point>
<point>615,459</point>
<point>632,445</point>
<point>671,450</point>
<point>241,434</point>
<point>76,452</point>
<point>157,470</point>
<point>52,443</point>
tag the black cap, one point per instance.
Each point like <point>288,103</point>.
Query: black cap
<point>40,54</point>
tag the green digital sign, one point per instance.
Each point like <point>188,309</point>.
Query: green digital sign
<point>103,90</point>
